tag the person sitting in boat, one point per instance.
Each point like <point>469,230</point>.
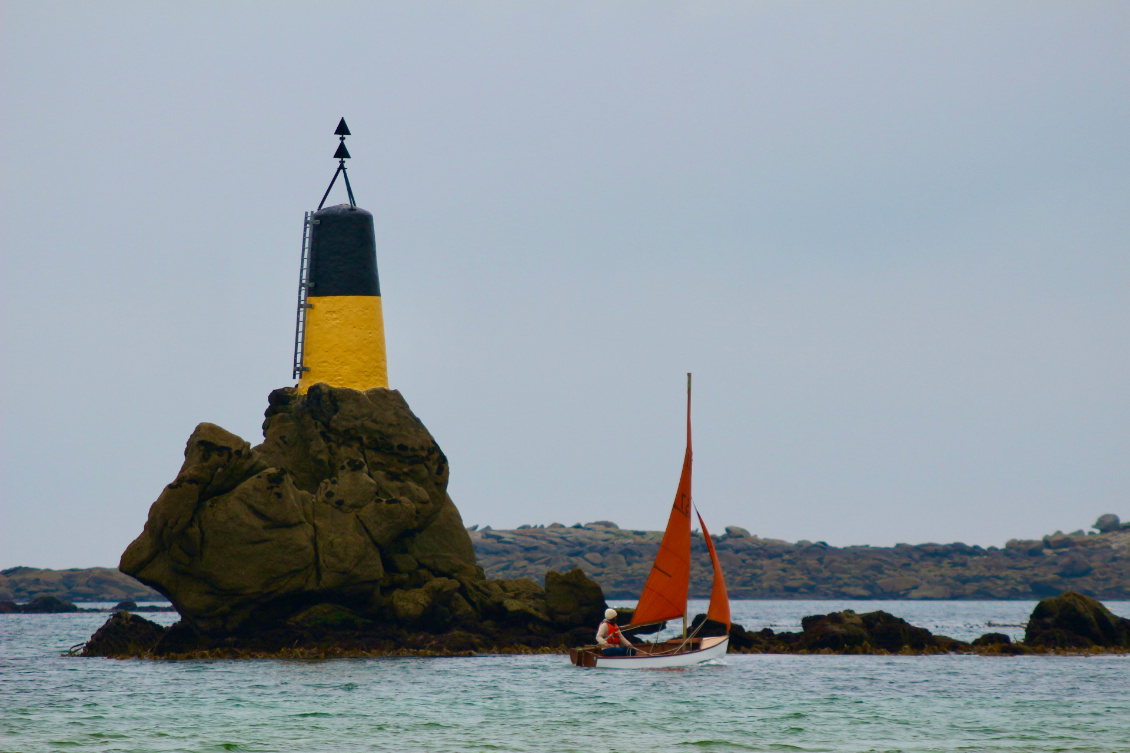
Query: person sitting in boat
<point>611,641</point>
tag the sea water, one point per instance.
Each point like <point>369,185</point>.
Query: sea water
<point>50,702</point>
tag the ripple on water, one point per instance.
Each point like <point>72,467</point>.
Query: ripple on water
<point>540,703</point>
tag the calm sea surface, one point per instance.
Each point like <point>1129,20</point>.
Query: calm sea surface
<point>541,703</point>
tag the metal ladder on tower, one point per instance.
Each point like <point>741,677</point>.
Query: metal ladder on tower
<point>303,286</point>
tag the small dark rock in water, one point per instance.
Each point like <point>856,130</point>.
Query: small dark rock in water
<point>127,605</point>
<point>47,605</point>
<point>992,639</point>
<point>124,634</point>
<point>741,640</point>
<point>1072,620</point>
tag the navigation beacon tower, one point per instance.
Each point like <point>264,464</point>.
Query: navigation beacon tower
<point>339,336</point>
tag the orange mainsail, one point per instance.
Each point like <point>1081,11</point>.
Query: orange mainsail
<point>719,609</point>
<point>664,595</point>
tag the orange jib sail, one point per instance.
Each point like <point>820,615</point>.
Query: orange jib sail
<point>664,595</point>
<point>719,609</point>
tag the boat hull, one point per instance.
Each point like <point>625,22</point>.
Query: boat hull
<point>704,649</point>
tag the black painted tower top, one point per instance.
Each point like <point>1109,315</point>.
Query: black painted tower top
<point>343,253</point>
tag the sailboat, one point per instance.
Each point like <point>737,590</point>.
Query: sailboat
<point>664,595</point>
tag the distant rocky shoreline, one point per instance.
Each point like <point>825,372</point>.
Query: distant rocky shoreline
<point>24,584</point>
<point>1096,564</point>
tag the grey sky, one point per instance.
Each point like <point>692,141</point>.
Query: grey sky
<point>890,240</point>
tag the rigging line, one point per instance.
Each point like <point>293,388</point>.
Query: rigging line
<point>348,188</point>
<point>641,625</point>
<point>687,639</point>
<point>333,180</point>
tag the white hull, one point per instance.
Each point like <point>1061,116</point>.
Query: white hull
<point>712,648</point>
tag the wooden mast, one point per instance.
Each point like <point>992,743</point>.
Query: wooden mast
<point>688,486</point>
<point>664,595</point>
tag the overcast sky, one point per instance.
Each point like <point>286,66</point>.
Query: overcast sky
<point>891,240</point>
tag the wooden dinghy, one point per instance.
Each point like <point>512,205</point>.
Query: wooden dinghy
<point>665,655</point>
<point>664,595</point>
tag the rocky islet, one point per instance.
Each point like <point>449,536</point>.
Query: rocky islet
<point>335,533</point>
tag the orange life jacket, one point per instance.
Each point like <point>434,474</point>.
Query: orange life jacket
<point>613,633</point>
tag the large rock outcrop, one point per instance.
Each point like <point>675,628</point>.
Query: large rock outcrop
<point>343,506</point>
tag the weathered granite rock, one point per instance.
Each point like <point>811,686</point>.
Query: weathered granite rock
<point>1107,523</point>
<point>1072,620</point>
<point>124,634</point>
<point>347,495</point>
<point>1059,540</point>
<point>573,599</point>
<point>332,616</point>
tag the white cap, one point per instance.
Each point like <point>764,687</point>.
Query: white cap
<point>609,614</point>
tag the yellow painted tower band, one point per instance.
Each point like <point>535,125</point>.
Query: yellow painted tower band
<point>345,343</point>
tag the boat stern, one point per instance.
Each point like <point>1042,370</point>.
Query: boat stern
<point>582,657</point>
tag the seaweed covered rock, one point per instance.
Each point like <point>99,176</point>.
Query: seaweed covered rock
<point>881,631</point>
<point>992,639</point>
<point>839,633</point>
<point>124,634</point>
<point>836,631</point>
<point>1072,620</point>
